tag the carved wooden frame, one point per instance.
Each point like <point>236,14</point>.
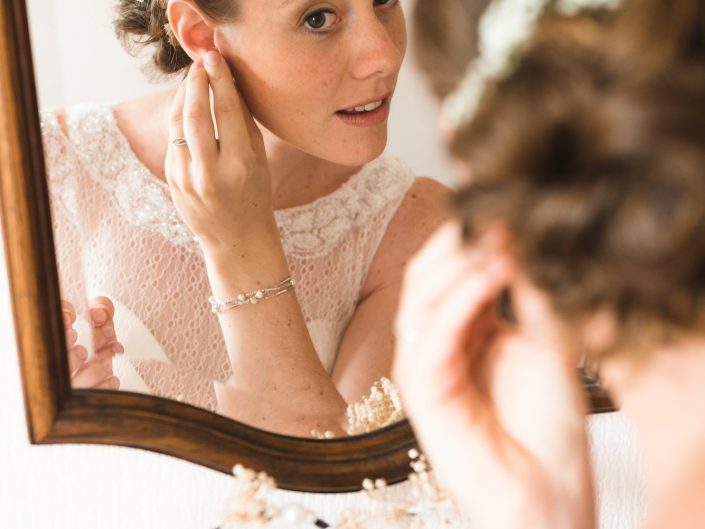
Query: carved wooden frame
<point>58,414</point>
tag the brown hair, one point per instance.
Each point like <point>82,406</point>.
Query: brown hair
<point>595,160</point>
<point>142,23</point>
<point>445,39</point>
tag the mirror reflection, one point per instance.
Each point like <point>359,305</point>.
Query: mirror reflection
<point>234,235</point>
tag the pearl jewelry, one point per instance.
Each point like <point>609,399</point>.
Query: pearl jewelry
<point>295,514</point>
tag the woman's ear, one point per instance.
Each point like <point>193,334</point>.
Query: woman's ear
<point>193,30</point>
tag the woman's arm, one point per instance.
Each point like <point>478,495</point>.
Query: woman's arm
<point>366,350</point>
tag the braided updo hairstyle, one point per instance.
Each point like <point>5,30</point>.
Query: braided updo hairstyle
<point>595,161</point>
<point>143,23</point>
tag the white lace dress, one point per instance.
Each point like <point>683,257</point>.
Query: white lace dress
<point>117,234</point>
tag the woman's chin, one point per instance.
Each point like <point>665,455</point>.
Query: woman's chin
<point>360,153</point>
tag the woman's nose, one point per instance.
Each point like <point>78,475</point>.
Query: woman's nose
<point>379,48</point>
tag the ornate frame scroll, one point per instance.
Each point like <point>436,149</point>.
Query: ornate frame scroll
<point>58,414</point>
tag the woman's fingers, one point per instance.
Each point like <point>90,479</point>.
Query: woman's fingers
<point>69,313</point>
<point>77,355</point>
<point>443,335</point>
<point>92,373</point>
<point>429,287</point>
<point>101,313</point>
<point>424,291</point>
<point>440,265</point>
<point>109,383</point>
<point>230,113</point>
<point>178,158</point>
<point>100,310</point>
<point>445,240</point>
<point>198,123</point>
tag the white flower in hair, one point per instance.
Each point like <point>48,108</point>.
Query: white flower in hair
<point>572,7</point>
<point>503,28</point>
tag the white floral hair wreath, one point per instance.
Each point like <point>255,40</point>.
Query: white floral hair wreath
<point>503,28</point>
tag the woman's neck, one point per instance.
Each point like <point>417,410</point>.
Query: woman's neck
<point>297,177</point>
<point>664,396</point>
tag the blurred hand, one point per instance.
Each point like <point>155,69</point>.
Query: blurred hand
<point>499,414</point>
<point>93,371</point>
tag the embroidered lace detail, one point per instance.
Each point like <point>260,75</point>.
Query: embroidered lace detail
<point>59,156</point>
<point>316,228</point>
<point>118,234</point>
<point>144,200</point>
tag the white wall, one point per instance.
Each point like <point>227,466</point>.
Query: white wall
<point>77,487</point>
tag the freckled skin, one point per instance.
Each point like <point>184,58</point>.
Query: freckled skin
<point>294,82</point>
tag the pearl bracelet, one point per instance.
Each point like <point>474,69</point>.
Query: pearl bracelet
<point>252,298</point>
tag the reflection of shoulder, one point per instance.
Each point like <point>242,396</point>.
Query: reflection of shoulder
<point>68,129</point>
<point>424,208</point>
<point>59,152</point>
<point>425,203</point>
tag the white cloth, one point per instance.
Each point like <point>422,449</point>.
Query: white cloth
<point>118,234</point>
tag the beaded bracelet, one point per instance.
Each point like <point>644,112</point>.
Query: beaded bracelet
<point>252,298</point>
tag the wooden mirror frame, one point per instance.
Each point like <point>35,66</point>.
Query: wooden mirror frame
<point>58,414</point>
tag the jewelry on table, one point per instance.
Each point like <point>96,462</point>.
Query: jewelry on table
<point>251,505</point>
<point>253,297</point>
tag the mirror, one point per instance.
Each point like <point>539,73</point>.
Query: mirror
<point>177,420</point>
<point>119,236</point>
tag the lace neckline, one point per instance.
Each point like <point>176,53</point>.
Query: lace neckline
<point>143,198</point>
<point>125,148</point>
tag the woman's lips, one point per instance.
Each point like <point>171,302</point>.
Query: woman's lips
<point>366,119</point>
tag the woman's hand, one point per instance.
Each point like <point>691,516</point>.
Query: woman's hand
<point>94,371</point>
<point>500,415</point>
<point>221,188</point>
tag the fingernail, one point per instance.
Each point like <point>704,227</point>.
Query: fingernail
<point>211,58</point>
<point>118,349</point>
<point>72,336</point>
<point>81,353</point>
<point>68,318</point>
<point>99,316</point>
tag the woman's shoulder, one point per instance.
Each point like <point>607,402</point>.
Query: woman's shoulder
<point>70,119</point>
<point>62,137</point>
<point>423,209</point>
<point>78,132</point>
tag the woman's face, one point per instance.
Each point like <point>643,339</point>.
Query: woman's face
<point>304,65</point>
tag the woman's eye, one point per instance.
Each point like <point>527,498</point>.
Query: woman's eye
<point>385,2</point>
<point>320,20</point>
